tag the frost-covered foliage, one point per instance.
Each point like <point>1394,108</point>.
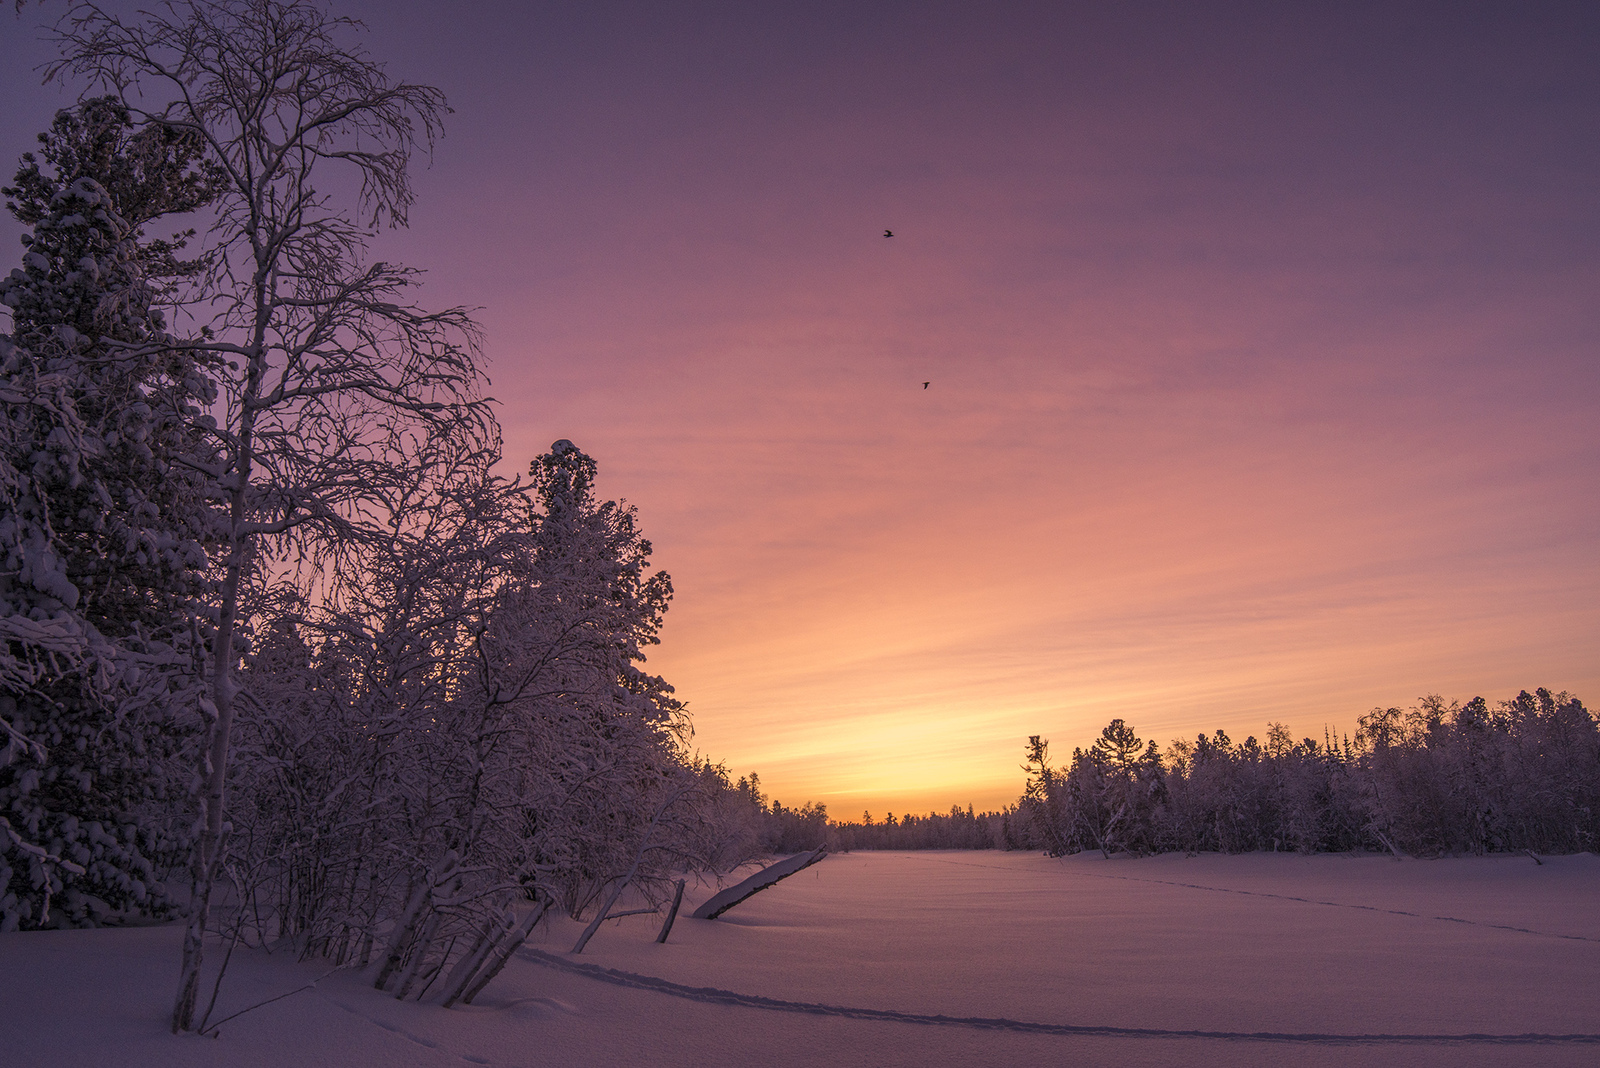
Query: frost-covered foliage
<point>408,692</point>
<point>325,369</point>
<point>458,723</point>
<point>1524,774</point>
<point>1435,779</point>
<point>103,524</point>
<point>278,538</point>
<point>149,171</point>
<point>769,826</point>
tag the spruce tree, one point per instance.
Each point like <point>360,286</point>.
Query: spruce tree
<point>103,522</point>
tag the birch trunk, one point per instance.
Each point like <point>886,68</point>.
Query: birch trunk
<point>672,914</point>
<point>507,947</point>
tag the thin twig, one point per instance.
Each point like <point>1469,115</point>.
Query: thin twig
<point>216,1026</point>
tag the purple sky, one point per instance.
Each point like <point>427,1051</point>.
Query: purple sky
<point>1262,341</point>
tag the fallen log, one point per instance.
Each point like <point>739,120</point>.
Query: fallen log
<point>772,873</point>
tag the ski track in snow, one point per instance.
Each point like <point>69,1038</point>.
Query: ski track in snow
<point>716,996</point>
<point>1290,897</point>
<point>400,1031</point>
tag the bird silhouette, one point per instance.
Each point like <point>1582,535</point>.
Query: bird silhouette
<point>925,385</point>
<point>888,233</point>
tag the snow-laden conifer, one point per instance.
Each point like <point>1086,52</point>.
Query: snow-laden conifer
<point>102,522</point>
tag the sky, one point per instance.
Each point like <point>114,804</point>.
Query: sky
<point>1260,347</point>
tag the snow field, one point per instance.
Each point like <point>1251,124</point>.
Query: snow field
<point>1211,944</point>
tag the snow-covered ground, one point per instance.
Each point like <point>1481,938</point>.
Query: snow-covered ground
<point>1262,960</point>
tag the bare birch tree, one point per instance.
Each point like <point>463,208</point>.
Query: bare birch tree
<point>321,357</point>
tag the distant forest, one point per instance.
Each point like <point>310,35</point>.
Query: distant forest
<point>1432,780</point>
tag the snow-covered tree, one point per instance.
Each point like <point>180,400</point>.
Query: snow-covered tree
<point>459,722</point>
<point>1429,780</point>
<point>102,522</point>
<point>567,641</point>
<point>321,358</point>
<point>419,700</point>
<point>1441,778</point>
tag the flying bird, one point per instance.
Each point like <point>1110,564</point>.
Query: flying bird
<point>925,385</point>
<point>888,233</point>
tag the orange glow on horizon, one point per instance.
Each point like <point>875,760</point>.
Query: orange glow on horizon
<point>1261,349</point>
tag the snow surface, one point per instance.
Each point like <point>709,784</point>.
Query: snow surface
<point>843,963</point>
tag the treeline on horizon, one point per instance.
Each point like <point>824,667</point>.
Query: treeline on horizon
<point>1432,780</point>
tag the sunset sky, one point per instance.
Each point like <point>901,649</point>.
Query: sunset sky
<point>1261,338</point>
